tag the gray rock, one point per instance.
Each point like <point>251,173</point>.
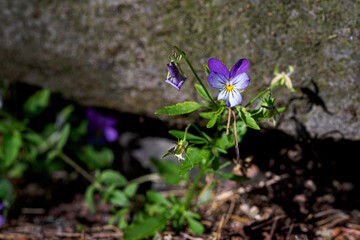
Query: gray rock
<point>113,54</point>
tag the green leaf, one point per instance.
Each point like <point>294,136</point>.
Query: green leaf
<point>189,137</point>
<point>158,198</point>
<point>142,229</point>
<point>119,198</point>
<point>131,189</point>
<point>64,135</point>
<point>64,114</point>
<point>212,122</point>
<point>51,155</point>
<point>122,222</point>
<point>234,177</point>
<point>37,103</point>
<point>192,158</point>
<point>246,117</point>
<point>10,147</point>
<point>180,108</point>
<point>168,170</point>
<point>201,91</point>
<point>194,225</point>
<point>89,196</point>
<point>96,158</point>
<point>207,115</point>
<point>207,69</point>
<point>110,177</point>
<point>7,194</point>
<point>215,164</point>
<point>17,170</point>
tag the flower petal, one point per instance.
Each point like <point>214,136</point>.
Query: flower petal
<point>240,67</point>
<point>241,81</point>
<point>217,66</point>
<point>111,134</point>
<point>217,80</point>
<point>235,98</point>
<point>173,70</point>
<point>224,95</point>
<point>174,83</point>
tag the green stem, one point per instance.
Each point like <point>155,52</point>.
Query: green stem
<point>146,178</point>
<point>192,189</point>
<point>197,129</point>
<point>79,169</point>
<point>260,94</point>
<point>195,74</point>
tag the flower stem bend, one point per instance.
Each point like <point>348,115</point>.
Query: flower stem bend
<point>195,74</point>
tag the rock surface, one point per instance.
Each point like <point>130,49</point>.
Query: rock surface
<point>113,54</point>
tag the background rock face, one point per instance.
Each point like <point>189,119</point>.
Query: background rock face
<point>113,54</point>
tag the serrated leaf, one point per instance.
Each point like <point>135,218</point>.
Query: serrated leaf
<point>142,229</point>
<point>201,91</point>
<point>192,158</point>
<point>36,103</point>
<point>89,196</point>
<point>180,108</point>
<point>10,147</point>
<point>247,118</point>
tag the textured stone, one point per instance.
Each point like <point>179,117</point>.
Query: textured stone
<point>113,54</point>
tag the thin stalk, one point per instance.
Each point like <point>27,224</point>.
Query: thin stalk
<point>79,169</point>
<point>192,189</point>
<point>195,74</point>
<point>236,139</point>
<point>228,122</point>
<point>152,177</point>
<point>197,129</point>
<point>269,89</point>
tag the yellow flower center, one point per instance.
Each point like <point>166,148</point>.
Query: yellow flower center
<point>229,88</point>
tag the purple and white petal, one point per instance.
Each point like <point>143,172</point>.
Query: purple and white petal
<point>224,95</point>
<point>240,67</point>
<point>175,84</point>
<point>173,70</point>
<point>217,66</point>
<point>217,80</point>
<point>241,81</point>
<point>235,98</point>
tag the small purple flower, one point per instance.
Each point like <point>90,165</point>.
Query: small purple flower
<point>101,126</point>
<point>2,219</point>
<point>174,77</point>
<point>229,82</point>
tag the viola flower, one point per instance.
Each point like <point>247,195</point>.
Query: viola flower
<point>175,78</point>
<point>231,82</point>
<point>2,219</point>
<point>179,150</point>
<point>283,78</point>
<point>101,126</point>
